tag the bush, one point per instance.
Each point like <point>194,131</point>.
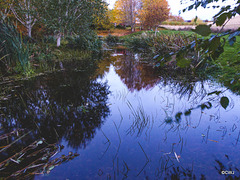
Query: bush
<point>159,44</point>
<point>49,39</point>
<point>197,21</point>
<point>111,40</point>
<point>120,26</point>
<point>84,42</point>
<point>139,43</point>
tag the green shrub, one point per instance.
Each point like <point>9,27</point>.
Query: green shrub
<point>140,42</point>
<point>162,43</point>
<point>111,40</point>
<point>84,42</point>
<point>120,26</point>
<point>49,39</point>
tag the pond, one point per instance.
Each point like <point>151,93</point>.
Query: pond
<point>119,119</point>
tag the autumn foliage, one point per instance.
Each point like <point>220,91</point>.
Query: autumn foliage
<point>153,12</point>
<point>175,18</point>
<point>149,13</point>
<point>126,12</point>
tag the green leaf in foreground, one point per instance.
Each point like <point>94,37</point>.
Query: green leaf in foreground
<point>183,62</point>
<point>221,19</point>
<point>203,30</point>
<point>214,44</point>
<point>224,102</point>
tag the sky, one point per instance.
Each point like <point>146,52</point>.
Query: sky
<point>175,6</point>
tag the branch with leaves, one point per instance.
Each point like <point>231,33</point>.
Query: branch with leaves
<point>204,49</point>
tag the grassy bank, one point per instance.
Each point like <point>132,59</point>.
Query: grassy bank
<point>227,67</point>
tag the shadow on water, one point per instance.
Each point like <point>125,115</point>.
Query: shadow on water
<point>67,106</point>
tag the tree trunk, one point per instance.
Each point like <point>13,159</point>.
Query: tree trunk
<point>133,29</point>
<point>29,30</point>
<point>156,31</point>
<point>58,40</point>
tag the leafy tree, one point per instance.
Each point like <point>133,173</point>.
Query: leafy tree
<point>115,14</point>
<point>154,12</point>
<point>175,18</point>
<point>102,20</point>
<point>73,16</point>
<point>127,11</point>
<point>25,12</point>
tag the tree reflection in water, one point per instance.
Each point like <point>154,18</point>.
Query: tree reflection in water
<point>65,105</point>
<point>138,75</point>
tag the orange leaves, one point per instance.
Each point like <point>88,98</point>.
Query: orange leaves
<point>154,12</point>
<point>126,11</point>
<point>150,13</point>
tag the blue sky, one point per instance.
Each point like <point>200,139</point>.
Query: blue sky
<point>176,7</point>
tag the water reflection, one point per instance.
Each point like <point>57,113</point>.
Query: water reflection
<point>137,74</point>
<point>71,105</point>
<point>67,106</point>
<point>133,73</point>
<point>152,125</point>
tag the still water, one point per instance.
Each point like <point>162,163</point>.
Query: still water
<point>120,120</point>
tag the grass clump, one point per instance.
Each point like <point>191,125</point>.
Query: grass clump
<point>15,49</point>
<point>161,43</point>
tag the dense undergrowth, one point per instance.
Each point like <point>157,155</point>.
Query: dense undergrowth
<point>22,56</point>
<point>160,44</point>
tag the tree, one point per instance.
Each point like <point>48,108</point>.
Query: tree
<point>154,12</point>
<point>70,16</point>
<point>102,19</point>
<point>127,11</point>
<point>175,18</point>
<point>115,14</point>
<point>26,13</point>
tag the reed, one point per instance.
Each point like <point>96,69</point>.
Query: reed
<point>161,43</point>
<point>16,48</point>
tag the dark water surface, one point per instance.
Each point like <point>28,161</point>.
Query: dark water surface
<point>125,120</point>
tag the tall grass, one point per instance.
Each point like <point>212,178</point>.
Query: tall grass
<point>161,43</point>
<point>141,121</point>
<point>14,46</point>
